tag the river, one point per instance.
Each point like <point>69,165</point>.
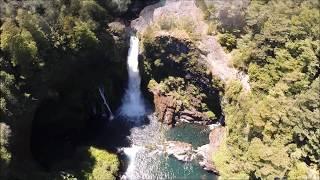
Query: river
<point>137,133</point>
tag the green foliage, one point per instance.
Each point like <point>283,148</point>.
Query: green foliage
<point>273,130</point>
<point>23,49</point>
<point>6,94</point>
<point>106,165</point>
<point>5,155</point>
<point>228,40</point>
<point>116,6</point>
<point>300,171</point>
<point>90,9</point>
<point>174,67</point>
<point>8,31</point>
<point>52,55</point>
<point>88,163</point>
<point>84,37</point>
<point>181,27</point>
<point>270,136</point>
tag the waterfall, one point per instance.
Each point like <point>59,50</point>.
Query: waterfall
<point>131,153</point>
<point>132,104</point>
<point>101,91</point>
<point>133,107</point>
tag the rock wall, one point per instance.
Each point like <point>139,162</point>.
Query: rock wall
<point>182,86</point>
<point>165,13</point>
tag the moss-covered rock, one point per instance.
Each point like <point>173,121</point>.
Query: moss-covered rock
<point>183,88</point>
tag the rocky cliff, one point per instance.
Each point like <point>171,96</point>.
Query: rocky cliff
<point>182,86</point>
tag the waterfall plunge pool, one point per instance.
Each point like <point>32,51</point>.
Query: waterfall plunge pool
<point>137,135</point>
<point>143,160</point>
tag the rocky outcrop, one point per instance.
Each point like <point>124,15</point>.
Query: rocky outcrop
<point>165,108</point>
<point>170,8</point>
<point>181,84</point>
<point>211,51</point>
<point>180,150</point>
<point>205,162</point>
<point>194,116</point>
<point>170,110</point>
<point>219,60</point>
<point>206,152</point>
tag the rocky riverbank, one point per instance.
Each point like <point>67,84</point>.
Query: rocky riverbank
<point>203,155</point>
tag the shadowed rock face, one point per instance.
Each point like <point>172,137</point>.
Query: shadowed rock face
<point>217,59</point>
<point>183,89</point>
<point>135,8</point>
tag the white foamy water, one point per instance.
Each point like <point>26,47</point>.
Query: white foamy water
<point>132,103</point>
<point>133,107</point>
<point>145,157</point>
<point>131,153</point>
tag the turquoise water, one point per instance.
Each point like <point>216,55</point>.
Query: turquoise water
<point>195,134</point>
<point>164,167</point>
<point>148,163</point>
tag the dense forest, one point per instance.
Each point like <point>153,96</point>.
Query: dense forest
<point>54,55</point>
<point>273,131</point>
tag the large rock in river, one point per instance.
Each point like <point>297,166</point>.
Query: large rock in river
<point>181,150</point>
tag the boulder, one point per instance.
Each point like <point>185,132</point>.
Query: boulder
<point>194,116</point>
<point>180,150</point>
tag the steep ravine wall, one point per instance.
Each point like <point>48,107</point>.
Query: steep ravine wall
<point>174,38</point>
<point>185,19</point>
<point>182,86</point>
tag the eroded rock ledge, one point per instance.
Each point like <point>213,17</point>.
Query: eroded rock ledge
<point>167,110</point>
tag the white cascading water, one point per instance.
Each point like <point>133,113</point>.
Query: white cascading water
<point>144,155</point>
<point>132,103</point>
<point>133,107</point>
<point>101,91</point>
<point>131,153</point>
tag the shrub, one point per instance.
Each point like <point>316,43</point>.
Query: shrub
<point>106,165</point>
<point>5,156</point>
<point>228,40</point>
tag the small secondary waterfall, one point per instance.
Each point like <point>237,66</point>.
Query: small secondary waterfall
<point>101,91</point>
<point>132,103</point>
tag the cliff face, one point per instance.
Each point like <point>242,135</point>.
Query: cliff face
<point>187,20</point>
<point>181,84</point>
